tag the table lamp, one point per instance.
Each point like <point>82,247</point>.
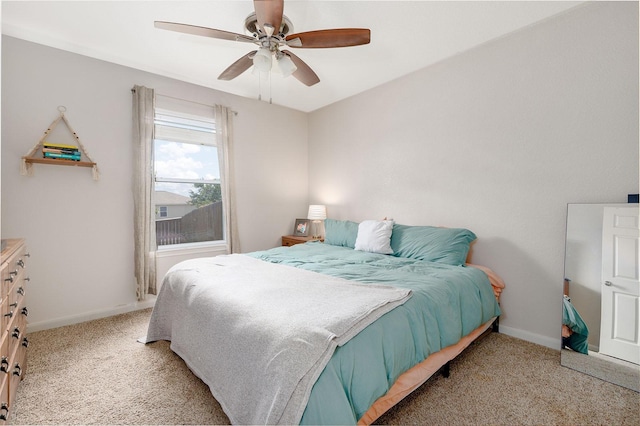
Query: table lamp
<point>317,213</point>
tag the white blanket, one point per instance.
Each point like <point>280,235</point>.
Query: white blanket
<point>259,334</point>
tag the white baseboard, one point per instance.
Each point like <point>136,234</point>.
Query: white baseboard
<point>532,337</point>
<point>151,300</point>
<point>88,316</point>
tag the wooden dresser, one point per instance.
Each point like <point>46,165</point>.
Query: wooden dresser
<point>13,342</point>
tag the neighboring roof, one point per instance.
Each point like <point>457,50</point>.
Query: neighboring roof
<point>170,198</point>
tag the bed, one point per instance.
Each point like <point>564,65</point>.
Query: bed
<point>327,333</point>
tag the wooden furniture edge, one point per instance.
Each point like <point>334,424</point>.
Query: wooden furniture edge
<point>13,244</point>
<point>59,162</point>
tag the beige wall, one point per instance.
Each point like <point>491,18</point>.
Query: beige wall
<point>79,231</point>
<point>498,140</point>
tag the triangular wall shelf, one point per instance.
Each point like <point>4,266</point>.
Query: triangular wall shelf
<point>29,159</point>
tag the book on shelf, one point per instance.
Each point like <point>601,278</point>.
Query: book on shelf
<point>74,157</point>
<point>61,151</point>
<point>58,146</point>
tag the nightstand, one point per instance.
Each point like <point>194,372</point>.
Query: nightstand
<point>292,240</point>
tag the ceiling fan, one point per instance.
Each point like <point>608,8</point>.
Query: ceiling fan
<point>270,29</point>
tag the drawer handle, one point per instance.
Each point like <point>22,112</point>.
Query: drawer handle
<point>9,314</point>
<point>25,342</point>
<point>27,254</point>
<point>25,311</point>
<point>4,364</point>
<point>27,279</point>
<point>21,263</point>
<point>10,279</point>
<point>16,333</point>
<point>13,272</point>
<point>4,411</point>
<point>20,290</point>
<point>17,370</point>
<point>14,304</point>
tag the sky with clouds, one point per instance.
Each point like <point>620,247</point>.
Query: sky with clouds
<point>184,161</point>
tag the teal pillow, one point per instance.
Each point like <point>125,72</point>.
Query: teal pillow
<point>444,245</point>
<point>340,232</point>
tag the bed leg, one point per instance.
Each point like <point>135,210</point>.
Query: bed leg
<point>446,370</point>
<point>496,326</point>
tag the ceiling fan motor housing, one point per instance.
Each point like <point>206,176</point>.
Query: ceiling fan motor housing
<point>252,28</point>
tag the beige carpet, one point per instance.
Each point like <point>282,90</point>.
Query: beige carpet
<point>96,373</point>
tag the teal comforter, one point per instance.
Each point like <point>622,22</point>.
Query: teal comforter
<point>572,319</point>
<point>448,302</point>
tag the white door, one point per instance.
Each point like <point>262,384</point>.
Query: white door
<point>620,328</point>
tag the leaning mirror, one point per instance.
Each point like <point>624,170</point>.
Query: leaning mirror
<point>601,293</point>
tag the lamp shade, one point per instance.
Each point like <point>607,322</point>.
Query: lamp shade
<point>262,60</point>
<point>317,212</point>
<point>286,65</point>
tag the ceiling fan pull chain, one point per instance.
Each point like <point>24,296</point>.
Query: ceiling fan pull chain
<point>270,88</point>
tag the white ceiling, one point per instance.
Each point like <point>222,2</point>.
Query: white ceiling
<point>405,36</point>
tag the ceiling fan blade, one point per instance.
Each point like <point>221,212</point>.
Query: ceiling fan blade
<point>203,31</point>
<point>304,73</point>
<point>269,12</point>
<point>339,37</point>
<point>238,67</point>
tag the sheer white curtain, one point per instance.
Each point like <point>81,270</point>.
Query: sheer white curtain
<point>224,135</point>
<point>143,205</point>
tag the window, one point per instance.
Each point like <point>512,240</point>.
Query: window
<point>188,197</point>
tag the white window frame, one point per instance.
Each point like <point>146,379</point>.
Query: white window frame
<point>166,133</point>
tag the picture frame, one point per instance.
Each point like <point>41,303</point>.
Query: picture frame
<point>301,228</point>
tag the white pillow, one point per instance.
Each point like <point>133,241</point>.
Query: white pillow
<point>374,236</point>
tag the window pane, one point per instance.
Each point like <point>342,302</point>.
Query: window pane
<point>188,213</point>
<point>185,161</point>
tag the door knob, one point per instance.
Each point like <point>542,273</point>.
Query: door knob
<point>608,283</point>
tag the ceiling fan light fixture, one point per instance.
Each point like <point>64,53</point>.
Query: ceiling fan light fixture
<point>262,60</point>
<point>286,65</point>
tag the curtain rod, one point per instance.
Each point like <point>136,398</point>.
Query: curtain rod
<point>133,90</point>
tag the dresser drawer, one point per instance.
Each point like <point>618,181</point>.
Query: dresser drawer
<point>13,323</point>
